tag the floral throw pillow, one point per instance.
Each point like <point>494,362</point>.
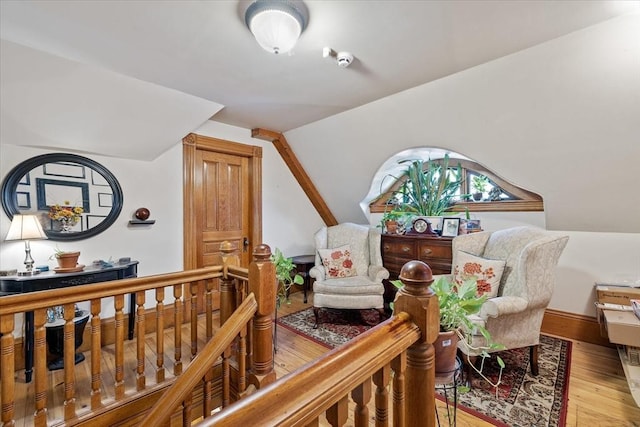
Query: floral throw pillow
<point>337,262</point>
<point>487,272</point>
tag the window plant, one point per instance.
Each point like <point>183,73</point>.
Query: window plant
<point>480,183</point>
<point>284,267</point>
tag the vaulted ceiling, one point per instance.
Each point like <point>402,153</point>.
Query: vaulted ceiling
<point>129,79</point>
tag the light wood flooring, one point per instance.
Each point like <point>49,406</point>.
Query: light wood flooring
<point>598,392</point>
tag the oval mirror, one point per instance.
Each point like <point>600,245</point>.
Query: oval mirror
<point>74,197</point>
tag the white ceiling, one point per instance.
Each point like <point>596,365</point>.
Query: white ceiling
<point>130,78</point>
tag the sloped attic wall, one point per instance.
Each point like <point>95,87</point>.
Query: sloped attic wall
<point>560,119</point>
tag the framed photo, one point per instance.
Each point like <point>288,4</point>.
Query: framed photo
<point>450,227</point>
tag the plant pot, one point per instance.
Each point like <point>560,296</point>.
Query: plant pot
<point>477,196</point>
<point>68,259</point>
<point>391,226</point>
<point>446,346</point>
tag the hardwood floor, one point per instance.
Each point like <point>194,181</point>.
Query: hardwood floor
<point>598,392</point>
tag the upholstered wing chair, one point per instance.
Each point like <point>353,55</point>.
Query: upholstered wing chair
<point>348,271</point>
<point>514,316</point>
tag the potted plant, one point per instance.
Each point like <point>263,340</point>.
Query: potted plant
<point>430,188</point>
<point>66,260</point>
<point>391,220</point>
<point>284,267</point>
<point>479,183</point>
<point>457,302</point>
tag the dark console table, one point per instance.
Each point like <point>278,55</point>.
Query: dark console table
<point>51,280</point>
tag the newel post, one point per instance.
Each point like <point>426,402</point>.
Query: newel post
<point>417,299</point>
<point>262,282</point>
<point>228,301</point>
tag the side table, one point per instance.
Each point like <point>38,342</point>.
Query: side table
<point>304,263</point>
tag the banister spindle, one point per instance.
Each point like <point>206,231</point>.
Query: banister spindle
<point>177,330</point>
<point>193,287</point>
<point>399,366</point>
<point>69,362</point>
<point>118,303</point>
<point>361,395</point>
<point>96,354</point>
<point>160,371</point>
<point>228,295</point>
<point>140,341</point>
<point>8,383</point>
<point>381,380</point>
<point>40,359</point>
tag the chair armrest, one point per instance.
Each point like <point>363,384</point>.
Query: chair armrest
<point>378,273</point>
<point>499,306</point>
<point>317,272</point>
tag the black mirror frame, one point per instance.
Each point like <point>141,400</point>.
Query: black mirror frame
<point>10,185</point>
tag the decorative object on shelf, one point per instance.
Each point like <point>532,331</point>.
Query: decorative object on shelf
<point>26,227</point>
<point>142,217</point>
<point>276,24</point>
<point>142,214</point>
<point>55,177</point>
<point>66,214</point>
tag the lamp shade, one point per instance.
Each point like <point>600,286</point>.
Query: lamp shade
<point>25,227</point>
<point>276,24</point>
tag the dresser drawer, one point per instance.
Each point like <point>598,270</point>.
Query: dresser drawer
<point>433,250</point>
<point>398,249</point>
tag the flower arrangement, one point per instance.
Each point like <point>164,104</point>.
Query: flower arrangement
<point>66,214</point>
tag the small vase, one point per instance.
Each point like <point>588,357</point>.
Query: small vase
<point>65,227</point>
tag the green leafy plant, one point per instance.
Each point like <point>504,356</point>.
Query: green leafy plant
<point>429,188</point>
<point>284,267</point>
<point>457,302</point>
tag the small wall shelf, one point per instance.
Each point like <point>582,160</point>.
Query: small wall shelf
<point>141,222</point>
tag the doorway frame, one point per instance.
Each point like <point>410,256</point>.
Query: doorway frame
<point>192,143</point>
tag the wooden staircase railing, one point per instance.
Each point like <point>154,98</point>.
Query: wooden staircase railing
<point>402,345</point>
<point>124,399</point>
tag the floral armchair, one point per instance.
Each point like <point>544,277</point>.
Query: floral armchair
<point>514,315</point>
<point>348,271</point>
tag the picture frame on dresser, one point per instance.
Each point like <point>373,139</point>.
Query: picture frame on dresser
<point>450,227</point>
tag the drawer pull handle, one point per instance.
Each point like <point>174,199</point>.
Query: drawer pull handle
<point>427,251</point>
<point>405,249</point>
<point>386,247</point>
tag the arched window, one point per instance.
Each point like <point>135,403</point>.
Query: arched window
<point>497,195</point>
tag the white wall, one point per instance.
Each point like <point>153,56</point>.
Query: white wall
<point>289,219</point>
<point>560,119</point>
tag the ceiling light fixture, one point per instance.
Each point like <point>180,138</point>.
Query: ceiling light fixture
<point>276,24</point>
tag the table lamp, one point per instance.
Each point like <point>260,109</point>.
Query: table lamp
<point>26,227</point>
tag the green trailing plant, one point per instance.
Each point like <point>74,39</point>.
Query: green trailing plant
<point>284,267</point>
<point>429,188</point>
<point>456,303</point>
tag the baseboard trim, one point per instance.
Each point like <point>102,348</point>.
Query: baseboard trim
<point>573,326</point>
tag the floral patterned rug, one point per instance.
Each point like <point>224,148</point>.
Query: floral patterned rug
<point>523,400</point>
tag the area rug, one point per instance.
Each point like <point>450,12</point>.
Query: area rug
<point>523,400</point>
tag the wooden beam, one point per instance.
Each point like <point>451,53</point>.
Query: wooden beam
<point>289,157</point>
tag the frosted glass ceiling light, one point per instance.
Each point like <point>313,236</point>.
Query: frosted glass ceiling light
<point>276,24</point>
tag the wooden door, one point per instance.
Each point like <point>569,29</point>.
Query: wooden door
<point>222,198</point>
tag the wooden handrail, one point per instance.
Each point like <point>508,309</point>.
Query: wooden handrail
<point>300,397</point>
<point>18,303</point>
<point>184,385</point>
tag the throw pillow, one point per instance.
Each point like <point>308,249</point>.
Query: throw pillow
<point>487,272</point>
<point>337,262</point>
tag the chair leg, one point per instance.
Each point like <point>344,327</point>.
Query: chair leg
<point>533,355</point>
<point>316,313</point>
<point>381,315</point>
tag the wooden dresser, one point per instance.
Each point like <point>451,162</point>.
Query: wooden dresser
<point>399,249</point>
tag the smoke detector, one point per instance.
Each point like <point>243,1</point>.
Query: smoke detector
<point>343,59</point>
